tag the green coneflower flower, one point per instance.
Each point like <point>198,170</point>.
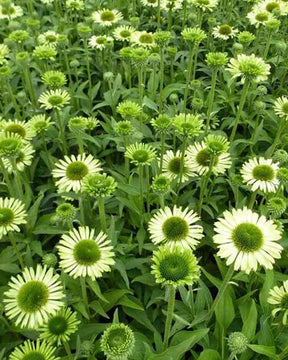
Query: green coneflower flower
<point>23,159</point>
<point>20,128</point>
<point>140,154</point>
<point>143,38</point>
<point>245,37</point>
<point>140,56</point>
<point>224,32</point>
<point>237,343</point>
<point>10,12</point>
<point>282,175</point>
<point>45,52</point>
<point>18,36</point>
<point>54,99</point>
<point>161,184</point>
<point>204,4</point>
<point>54,79</point>
<point>49,260</point>
<point>175,227</point>
<point>33,296</point>
<point>72,170</point>
<point>106,17</point>
<point>99,185</point>
<point>5,72</point>
<point>10,144</point>
<point>280,156</point>
<point>172,166</point>
<point>117,342</point>
<point>75,5</point>
<point>66,213</point>
<point>82,253</point>
<point>216,59</point>
<point>23,57</point>
<point>162,123</point>
<point>77,124</point>
<point>277,206</point>
<point>260,174</point>
<point>249,67</point>
<point>217,144</point>
<point>100,42</point>
<point>87,347</point>
<point>59,327</point>
<point>128,109</point>
<point>162,38</point>
<point>279,296</point>
<point>123,127</point>
<point>40,123</point>
<point>123,33</point>
<point>193,35</point>
<point>34,351</point>
<point>246,239</point>
<point>12,214</point>
<point>4,53</point>
<point>281,107</point>
<point>176,266</point>
<point>152,3</point>
<point>48,38</point>
<point>189,125</point>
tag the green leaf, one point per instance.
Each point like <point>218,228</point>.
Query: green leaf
<point>209,355</point>
<point>269,351</point>
<point>225,311</point>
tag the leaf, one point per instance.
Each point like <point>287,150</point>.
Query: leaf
<point>224,310</point>
<point>94,286</point>
<point>33,213</point>
<point>269,351</point>
<point>267,286</point>
<point>209,355</point>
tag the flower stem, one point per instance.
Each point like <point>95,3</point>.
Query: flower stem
<point>222,290</point>
<point>84,294</point>
<point>267,47</point>
<point>188,78</point>
<point>62,131</point>
<point>162,150</point>
<point>211,99</point>
<point>252,200</point>
<point>161,80</point>
<point>158,14</point>
<point>241,106</point>
<point>88,67</point>
<point>277,137</point>
<point>141,186</point>
<point>170,311</point>
<point>17,252</point>
<point>68,350</point>
<point>204,184</point>
<point>6,178</point>
<point>102,214</point>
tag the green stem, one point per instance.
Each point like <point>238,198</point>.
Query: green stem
<point>30,86</point>
<point>80,143</point>
<point>158,15</point>
<point>147,188</point>
<point>17,178</point>
<point>13,99</point>
<point>188,78</point>
<point>17,252</point>
<point>84,294</point>
<point>141,88</point>
<point>204,184</point>
<point>68,350</point>
<point>252,200</point>
<point>222,290</point>
<point>182,162</point>
<point>240,109</point>
<point>211,99</point>
<point>277,137</point>
<point>162,150</point>
<point>141,186</point>
<point>62,132</point>
<point>268,43</point>
<point>81,208</point>
<point>50,161</point>
<point>6,178</point>
<point>88,67</point>
<point>161,80</point>
<point>102,214</point>
<point>170,311</point>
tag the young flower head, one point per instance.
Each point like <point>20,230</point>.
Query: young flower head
<point>175,227</point>
<point>200,157</point>
<point>162,123</point>
<point>216,60</point>
<point>246,38</point>
<point>75,5</point>
<point>77,124</point>
<point>217,144</point>
<point>151,3</point>
<point>45,52</point>
<point>259,17</point>
<point>117,342</point>
<point>48,38</point>
<point>12,214</point>
<point>34,351</point>
<point>204,5</point>
<point>39,123</point>
<point>33,296</point>
<point>193,35</point>
<point>277,206</point>
<point>54,99</point>
<point>237,343</point>
<point>140,154</point>
<point>260,174</point>
<point>282,175</point>
<point>99,185</point>
<point>23,159</point>
<point>274,6</point>
<point>172,164</point>
<point>175,266</point>
<point>106,17</point>
<point>281,107</point>
<point>82,253</point>
<point>10,144</point>
<point>66,213</point>
<point>189,125</point>
<point>224,32</point>
<point>249,67</point>
<point>280,156</point>
<point>129,109</point>
<point>20,128</point>
<point>54,79</point>
<point>49,260</point>
<point>123,33</point>
<point>72,170</point>
<point>123,127</point>
<point>59,327</point>
<point>10,12</point>
<point>142,38</point>
<point>100,42</point>
<point>161,184</point>
<point>247,240</point>
<point>279,297</point>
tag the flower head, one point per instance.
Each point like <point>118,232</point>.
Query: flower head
<point>277,206</point>
<point>161,184</point>
<point>34,351</point>
<point>40,123</point>
<point>100,42</point>
<point>33,296</point>
<point>66,213</point>
<point>45,52</point>
<point>117,342</point>
<point>10,144</point>
<point>193,35</point>
<point>140,154</point>
<point>249,67</point>
<point>279,297</point>
<point>82,253</point>
<point>59,327</point>
<point>54,99</point>
<point>23,159</point>
<point>129,109</point>
<point>173,164</point>
<point>54,79</point>
<point>143,38</point>
<point>175,227</point>
<point>260,174</point>
<point>175,266</point>
<point>189,125</point>
<point>216,59</point>
<point>204,5</point>
<point>224,32</point>
<point>73,169</point>
<point>237,343</point>
<point>123,33</point>
<point>12,214</point>
<point>247,239</point>
<point>99,185</point>
<point>17,127</point>
<point>281,107</point>
<point>106,17</point>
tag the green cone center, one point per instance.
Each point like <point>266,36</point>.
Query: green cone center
<point>76,170</point>
<point>32,296</point>
<point>86,252</point>
<point>247,237</point>
<point>175,228</point>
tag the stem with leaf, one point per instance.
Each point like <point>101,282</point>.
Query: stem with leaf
<point>170,310</point>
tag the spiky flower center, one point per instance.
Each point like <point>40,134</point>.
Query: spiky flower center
<point>141,155</point>
<point>284,108</point>
<point>175,165</point>
<point>65,209</point>
<point>117,337</point>
<point>261,17</point>
<point>175,228</point>
<point>32,296</point>
<point>263,173</point>
<point>57,325</point>
<point>272,6</point>
<point>34,355</point>
<point>247,237</point>
<point>76,170</point>
<point>101,40</point>
<point>225,29</point>
<point>203,2</point>
<point>51,38</point>
<point>40,125</point>
<point>86,252</point>
<point>174,267</point>
<point>9,146</point>
<point>6,216</point>
<point>204,158</point>
<point>284,302</point>
<point>216,147</point>
<point>55,100</point>
<point>15,129</point>
<point>146,39</point>
<point>107,16</point>
<point>125,33</point>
